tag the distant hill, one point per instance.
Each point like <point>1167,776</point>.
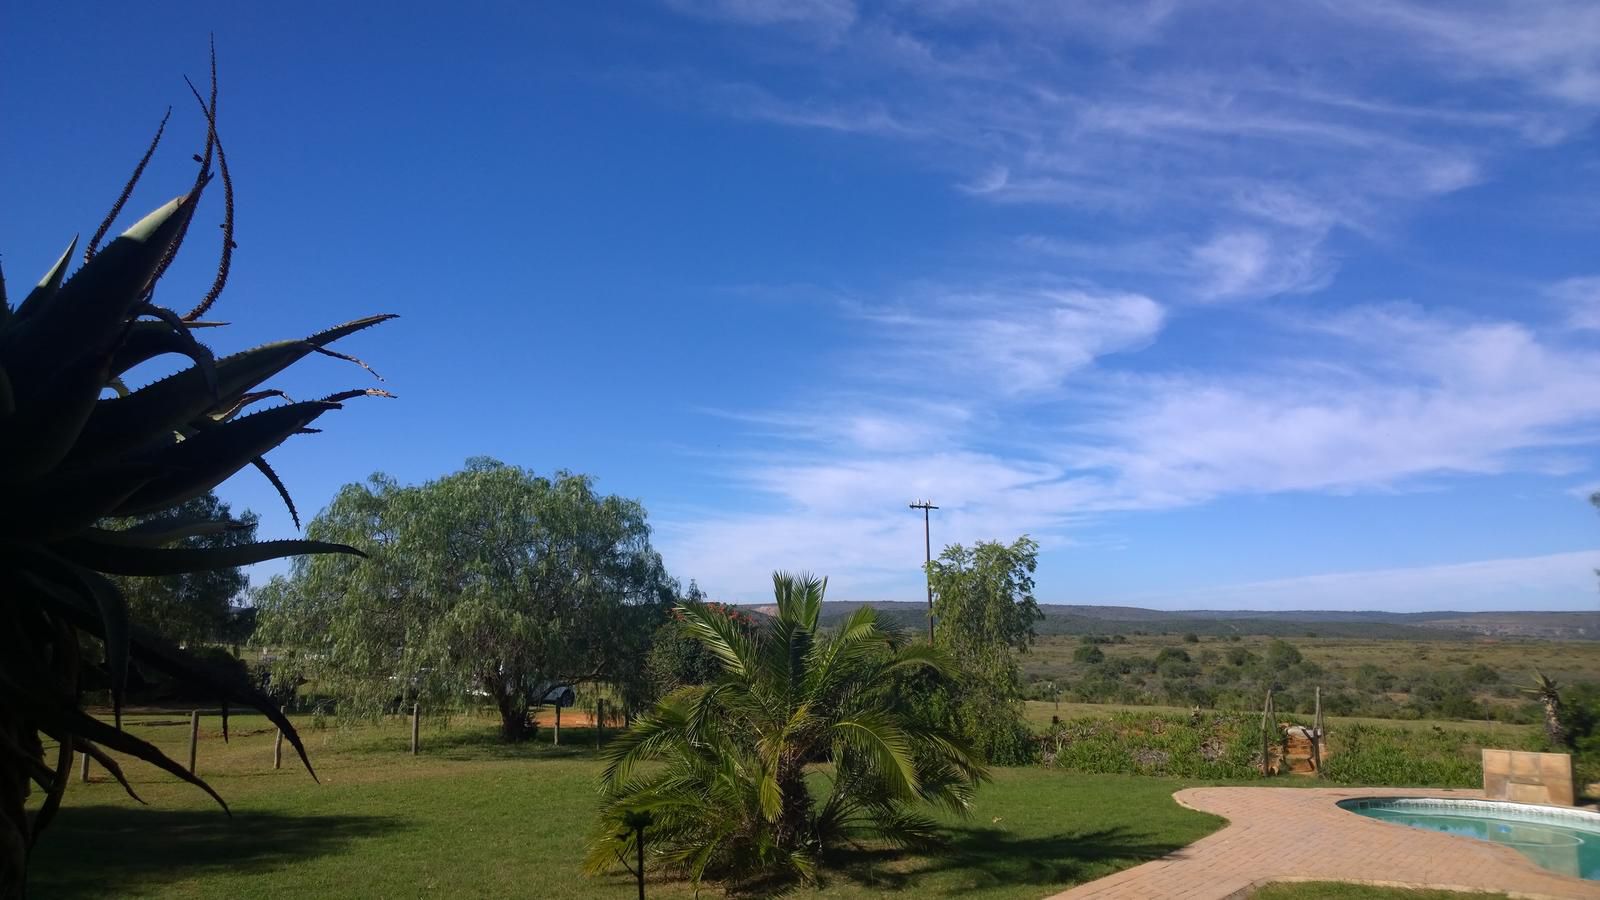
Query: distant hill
<point>1079,619</point>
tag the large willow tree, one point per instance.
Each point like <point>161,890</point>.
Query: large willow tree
<point>490,581</point>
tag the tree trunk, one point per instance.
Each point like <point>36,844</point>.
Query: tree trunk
<point>794,819</point>
<point>513,715</point>
<point>1552,721</point>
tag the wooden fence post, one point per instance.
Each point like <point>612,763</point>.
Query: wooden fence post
<point>556,742</point>
<point>599,720</point>
<point>277,750</point>
<point>83,771</point>
<point>194,737</point>
<point>1316,735</point>
<point>415,711</point>
<point>1266,747</point>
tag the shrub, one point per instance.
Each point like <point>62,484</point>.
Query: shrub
<point>1088,653</point>
<point>1402,757</point>
<point>1216,746</point>
<point>1281,654</point>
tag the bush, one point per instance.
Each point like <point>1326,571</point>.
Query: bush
<point>1402,757</point>
<point>1281,654</point>
<point>1191,638</point>
<point>1580,716</point>
<point>1088,653</point>
<point>1217,746</point>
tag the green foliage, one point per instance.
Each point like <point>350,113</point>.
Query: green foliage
<point>78,449</point>
<point>1215,746</point>
<point>1227,746</point>
<point>728,792</point>
<point>679,659</point>
<point>1281,654</point>
<point>985,613</point>
<point>1580,724</point>
<point>1371,755</point>
<point>491,579</point>
<point>1088,653</point>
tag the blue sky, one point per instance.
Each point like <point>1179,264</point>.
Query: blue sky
<point>1229,305</point>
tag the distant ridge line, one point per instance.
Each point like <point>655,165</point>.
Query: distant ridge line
<point>1064,618</point>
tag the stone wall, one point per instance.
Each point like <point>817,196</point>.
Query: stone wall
<point>1523,777</point>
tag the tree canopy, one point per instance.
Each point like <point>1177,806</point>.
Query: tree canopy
<point>984,612</point>
<point>492,580</point>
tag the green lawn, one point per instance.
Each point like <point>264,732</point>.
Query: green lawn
<point>1335,890</point>
<point>474,818</point>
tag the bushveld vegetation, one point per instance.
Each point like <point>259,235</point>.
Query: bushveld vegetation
<point>1467,679</point>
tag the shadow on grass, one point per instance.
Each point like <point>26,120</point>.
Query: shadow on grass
<point>992,857</point>
<point>474,742</point>
<point>101,851</point>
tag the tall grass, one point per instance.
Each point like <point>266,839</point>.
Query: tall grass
<point>1227,747</point>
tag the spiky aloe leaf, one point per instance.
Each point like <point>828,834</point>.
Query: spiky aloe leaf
<point>123,560</point>
<point>147,340</point>
<point>67,723</point>
<point>68,502</point>
<point>48,285</point>
<point>109,763</point>
<point>8,403</point>
<point>205,460</point>
<point>58,788</point>
<point>149,649</point>
<point>90,310</point>
<point>161,532</point>
<point>124,423</point>
<point>48,418</point>
<point>116,631</point>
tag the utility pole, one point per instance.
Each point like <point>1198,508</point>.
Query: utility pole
<point>927,554</point>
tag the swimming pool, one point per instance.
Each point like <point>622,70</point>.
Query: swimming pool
<point>1559,839</point>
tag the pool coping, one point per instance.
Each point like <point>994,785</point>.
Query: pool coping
<point>1276,834</point>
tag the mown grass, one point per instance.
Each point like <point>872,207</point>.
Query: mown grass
<point>1339,890</point>
<point>471,817</point>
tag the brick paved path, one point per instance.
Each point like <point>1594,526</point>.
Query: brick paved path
<point>1298,834</point>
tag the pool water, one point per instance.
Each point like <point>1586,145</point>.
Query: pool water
<point>1561,840</point>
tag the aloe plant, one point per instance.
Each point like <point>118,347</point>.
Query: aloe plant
<point>79,450</point>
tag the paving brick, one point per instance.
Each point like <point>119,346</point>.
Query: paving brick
<point>1295,834</point>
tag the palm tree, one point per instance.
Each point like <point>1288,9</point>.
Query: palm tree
<point>793,709</point>
<point>1548,692</point>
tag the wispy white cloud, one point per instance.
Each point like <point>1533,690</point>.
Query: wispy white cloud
<point>1401,395</point>
<point>1578,301</point>
<point>1257,166</point>
<point>1369,399</point>
<point>1227,172</point>
<point>828,17</point>
<point>1017,341</point>
<point>1252,263</point>
<point>1552,46</point>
